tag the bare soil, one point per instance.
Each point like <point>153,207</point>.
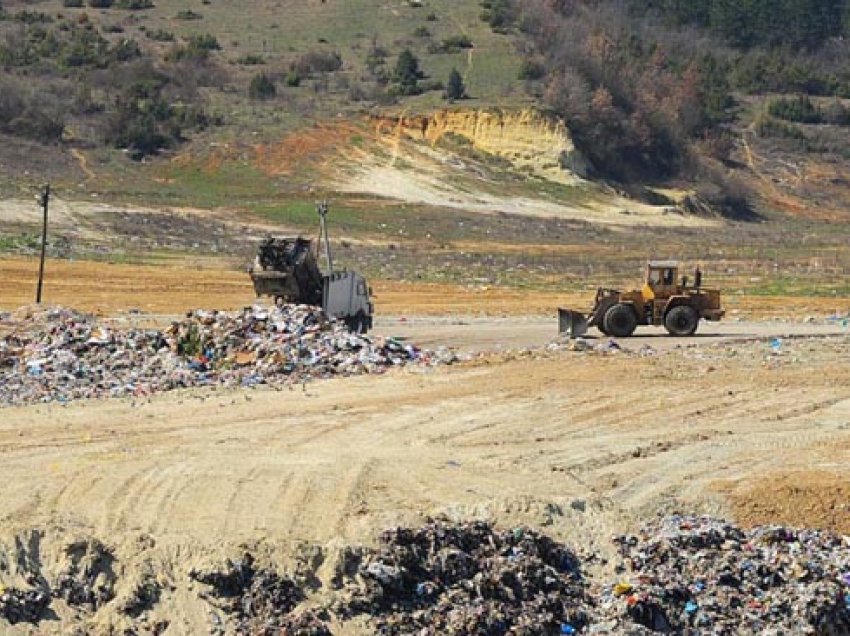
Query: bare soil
<point>581,443</point>
<point>191,282</point>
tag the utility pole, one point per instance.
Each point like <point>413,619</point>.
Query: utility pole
<point>322,209</point>
<point>43,200</point>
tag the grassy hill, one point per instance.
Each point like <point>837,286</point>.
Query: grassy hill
<point>257,109</point>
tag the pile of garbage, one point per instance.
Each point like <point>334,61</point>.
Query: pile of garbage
<point>470,579</point>
<point>61,355</point>
<point>697,575</point>
<point>22,606</point>
<point>261,601</point>
<point>280,254</point>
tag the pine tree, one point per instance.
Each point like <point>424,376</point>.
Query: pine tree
<point>407,74</point>
<point>455,88</point>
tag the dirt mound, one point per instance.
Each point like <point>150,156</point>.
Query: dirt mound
<point>816,498</point>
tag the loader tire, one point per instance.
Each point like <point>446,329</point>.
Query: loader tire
<point>620,321</point>
<point>681,321</point>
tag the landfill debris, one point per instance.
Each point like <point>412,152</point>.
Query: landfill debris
<point>468,578</point>
<point>587,345</point>
<point>59,355</point>
<point>695,575</point>
<point>23,606</point>
<point>88,578</point>
<point>261,601</point>
<point>681,574</point>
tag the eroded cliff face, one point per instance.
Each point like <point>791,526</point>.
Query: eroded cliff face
<point>528,139</point>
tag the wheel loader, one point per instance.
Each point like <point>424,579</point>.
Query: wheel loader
<point>663,300</point>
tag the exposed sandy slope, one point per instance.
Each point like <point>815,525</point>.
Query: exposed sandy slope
<point>429,183</point>
<point>406,163</point>
<point>583,444</point>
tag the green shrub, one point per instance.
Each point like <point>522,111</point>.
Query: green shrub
<point>188,14</point>
<point>204,42</point>
<point>100,4</point>
<point>251,59</point>
<point>768,126</point>
<point>498,14</point>
<point>160,35</point>
<point>72,3</point>
<point>835,113</point>
<point>261,87</point>
<point>24,113</point>
<point>421,32</point>
<point>318,62</point>
<point>135,5</point>
<point>452,44</point>
<point>531,70</point>
<point>32,17</point>
<point>126,50</point>
<point>798,109</point>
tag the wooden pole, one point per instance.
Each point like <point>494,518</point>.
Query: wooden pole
<point>43,199</point>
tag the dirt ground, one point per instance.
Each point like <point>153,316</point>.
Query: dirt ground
<point>581,443</point>
<point>107,288</point>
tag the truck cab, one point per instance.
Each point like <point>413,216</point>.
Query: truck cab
<point>346,296</point>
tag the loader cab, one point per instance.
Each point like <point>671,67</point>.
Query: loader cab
<point>662,274</point>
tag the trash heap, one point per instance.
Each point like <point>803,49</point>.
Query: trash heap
<point>61,355</point>
<point>260,600</point>
<point>469,579</point>
<point>22,606</point>
<point>697,575</point>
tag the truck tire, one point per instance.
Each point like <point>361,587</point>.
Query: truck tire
<point>681,321</point>
<point>620,321</point>
<point>357,324</point>
<point>361,323</point>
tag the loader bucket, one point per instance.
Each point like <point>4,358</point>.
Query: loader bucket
<point>571,323</point>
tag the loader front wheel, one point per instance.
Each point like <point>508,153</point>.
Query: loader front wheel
<point>681,321</point>
<point>620,321</point>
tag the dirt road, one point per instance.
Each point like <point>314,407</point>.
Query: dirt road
<point>582,443</point>
<point>475,334</point>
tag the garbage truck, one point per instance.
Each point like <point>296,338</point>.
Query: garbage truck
<point>664,300</point>
<point>287,269</point>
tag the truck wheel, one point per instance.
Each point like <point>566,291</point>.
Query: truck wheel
<point>357,324</point>
<point>681,321</point>
<point>619,321</point>
<point>361,324</point>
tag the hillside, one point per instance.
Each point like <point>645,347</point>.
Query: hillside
<point>628,125</point>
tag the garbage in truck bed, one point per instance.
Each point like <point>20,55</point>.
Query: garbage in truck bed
<point>287,269</point>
